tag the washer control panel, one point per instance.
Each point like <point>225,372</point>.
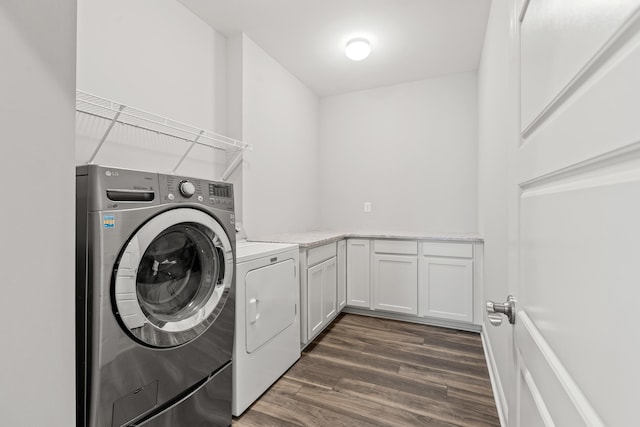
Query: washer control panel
<point>178,189</point>
<point>187,188</point>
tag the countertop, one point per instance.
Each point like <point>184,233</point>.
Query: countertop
<point>312,239</point>
<point>247,251</point>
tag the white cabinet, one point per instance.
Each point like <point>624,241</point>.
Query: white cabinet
<point>446,281</point>
<point>395,276</point>
<point>314,299</point>
<point>321,302</point>
<point>395,283</point>
<point>342,274</point>
<point>329,291</point>
<point>318,290</point>
<point>429,281</point>
<point>358,273</point>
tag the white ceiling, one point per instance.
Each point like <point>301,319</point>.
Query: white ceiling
<point>411,39</point>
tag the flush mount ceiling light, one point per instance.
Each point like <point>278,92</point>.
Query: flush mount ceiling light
<point>357,49</point>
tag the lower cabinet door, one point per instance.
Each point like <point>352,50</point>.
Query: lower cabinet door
<point>358,267</point>
<point>321,296</point>
<point>342,274</point>
<point>395,283</point>
<point>314,300</point>
<point>446,288</point>
<point>329,293</point>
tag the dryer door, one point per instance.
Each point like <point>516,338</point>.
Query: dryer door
<point>173,277</point>
<point>270,302</point>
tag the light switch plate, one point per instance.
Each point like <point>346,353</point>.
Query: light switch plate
<point>367,207</point>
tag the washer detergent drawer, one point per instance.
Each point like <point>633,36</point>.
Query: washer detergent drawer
<point>270,302</point>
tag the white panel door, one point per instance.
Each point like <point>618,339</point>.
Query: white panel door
<point>395,283</point>
<point>342,274</point>
<point>329,288</point>
<point>314,300</point>
<point>358,273</point>
<point>559,38</point>
<point>575,210</point>
<point>446,288</point>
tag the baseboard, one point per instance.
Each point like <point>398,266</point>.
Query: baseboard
<point>496,384</point>
<point>451,324</point>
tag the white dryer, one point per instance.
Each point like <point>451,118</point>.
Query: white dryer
<point>267,328</point>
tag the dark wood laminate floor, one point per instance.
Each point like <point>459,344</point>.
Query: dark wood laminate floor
<point>365,371</point>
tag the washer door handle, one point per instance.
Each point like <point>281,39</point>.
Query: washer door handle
<point>252,313</point>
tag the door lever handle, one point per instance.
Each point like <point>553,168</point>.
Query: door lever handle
<point>494,311</point>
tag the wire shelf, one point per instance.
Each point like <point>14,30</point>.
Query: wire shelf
<point>118,113</point>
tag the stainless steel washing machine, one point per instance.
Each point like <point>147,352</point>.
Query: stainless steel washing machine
<point>155,299</point>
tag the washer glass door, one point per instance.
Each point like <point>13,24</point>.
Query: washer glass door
<point>174,277</point>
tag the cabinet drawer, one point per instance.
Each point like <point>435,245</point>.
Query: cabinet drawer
<point>322,253</point>
<point>395,247</point>
<point>456,250</point>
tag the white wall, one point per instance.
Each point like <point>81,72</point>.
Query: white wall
<point>280,119</point>
<point>496,130</point>
<point>157,56</point>
<point>409,149</point>
<point>37,83</point>
<point>234,119</point>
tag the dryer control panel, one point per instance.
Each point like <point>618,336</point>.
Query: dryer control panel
<point>176,189</point>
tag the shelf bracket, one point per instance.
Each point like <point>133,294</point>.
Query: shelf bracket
<point>186,153</point>
<point>232,166</point>
<point>106,134</point>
